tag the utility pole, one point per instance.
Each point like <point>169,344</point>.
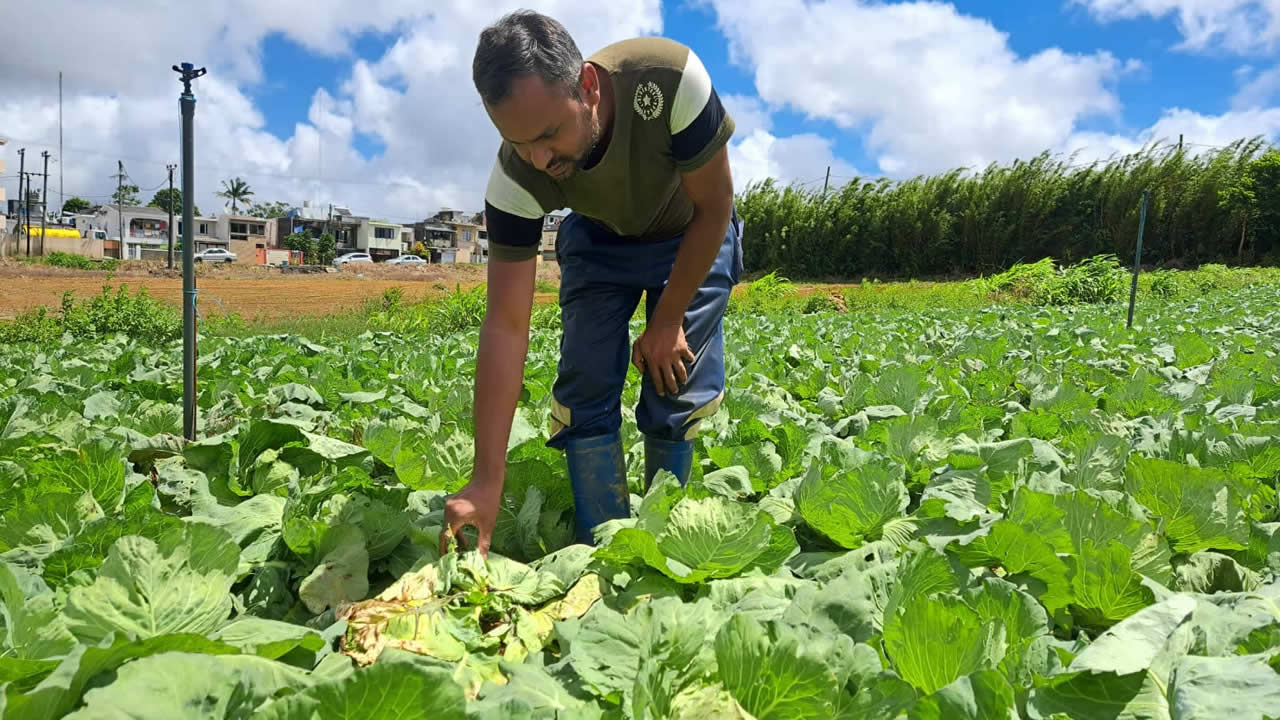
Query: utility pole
<point>44,205</point>
<point>826,182</point>
<point>22,196</point>
<point>1179,142</point>
<point>170,204</point>
<point>120,204</point>
<point>61,200</point>
<point>188,102</point>
<point>30,191</point>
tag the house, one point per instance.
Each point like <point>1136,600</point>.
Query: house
<point>433,234</point>
<point>3,142</point>
<point>315,220</point>
<point>246,235</point>
<point>467,229</point>
<point>481,253</point>
<point>406,240</point>
<point>379,238</point>
<point>453,236</point>
<point>146,232</point>
<point>550,228</point>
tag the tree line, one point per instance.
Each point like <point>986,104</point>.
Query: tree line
<point>1217,206</point>
<point>235,192</point>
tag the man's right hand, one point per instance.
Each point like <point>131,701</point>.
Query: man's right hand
<point>475,505</point>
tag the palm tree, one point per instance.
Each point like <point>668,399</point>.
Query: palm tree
<point>235,190</point>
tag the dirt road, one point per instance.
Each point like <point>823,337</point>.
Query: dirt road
<point>252,291</point>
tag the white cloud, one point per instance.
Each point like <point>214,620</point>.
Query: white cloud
<point>797,158</point>
<point>417,100</point>
<point>932,88</point>
<point>1237,25</point>
<point>748,112</point>
<point>755,153</point>
<point>1201,133</point>
<point>1257,90</point>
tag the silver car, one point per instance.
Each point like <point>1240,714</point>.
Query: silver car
<point>214,255</point>
<point>407,260</point>
<point>352,257</point>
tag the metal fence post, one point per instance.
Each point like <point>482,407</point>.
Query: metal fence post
<point>1137,256</point>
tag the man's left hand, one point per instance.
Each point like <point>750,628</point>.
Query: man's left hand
<point>661,351</point>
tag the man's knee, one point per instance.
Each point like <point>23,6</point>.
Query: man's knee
<point>586,399</point>
<point>681,416</point>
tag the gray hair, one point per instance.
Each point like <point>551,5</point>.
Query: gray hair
<point>524,42</point>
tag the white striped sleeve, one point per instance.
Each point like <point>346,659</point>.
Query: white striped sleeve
<point>692,94</point>
<point>508,195</point>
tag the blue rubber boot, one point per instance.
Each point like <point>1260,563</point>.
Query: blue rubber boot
<point>675,456</point>
<point>599,479</point>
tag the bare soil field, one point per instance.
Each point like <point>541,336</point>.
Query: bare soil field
<point>252,291</point>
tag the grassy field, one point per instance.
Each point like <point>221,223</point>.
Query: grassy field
<point>254,292</point>
<point>243,300</point>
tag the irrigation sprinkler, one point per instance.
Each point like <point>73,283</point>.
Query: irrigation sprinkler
<point>188,102</point>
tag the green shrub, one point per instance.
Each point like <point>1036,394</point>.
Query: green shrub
<point>34,326</point>
<point>1023,281</point>
<point>1212,276</point>
<point>1165,284</point>
<point>1099,279</point>
<point>392,297</point>
<point>457,311</point>
<point>229,324</point>
<point>79,262</point>
<point>768,294</point>
<point>820,302</point>
<point>67,260</point>
<point>138,316</point>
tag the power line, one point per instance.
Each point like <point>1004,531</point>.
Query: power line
<point>236,171</point>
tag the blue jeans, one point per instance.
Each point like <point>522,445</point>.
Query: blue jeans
<point>601,279</point>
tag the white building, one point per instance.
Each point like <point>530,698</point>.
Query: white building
<point>146,232</point>
<point>379,238</point>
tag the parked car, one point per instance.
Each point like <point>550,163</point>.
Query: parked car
<point>406,260</point>
<point>214,255</point>
<point>352,257</point>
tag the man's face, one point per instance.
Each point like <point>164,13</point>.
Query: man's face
<point>549,128</point>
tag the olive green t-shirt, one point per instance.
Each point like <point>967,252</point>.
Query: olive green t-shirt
<point>667,119</point>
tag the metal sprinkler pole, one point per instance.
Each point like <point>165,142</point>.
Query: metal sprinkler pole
<point>1137,256</point>
<point>188,102</point>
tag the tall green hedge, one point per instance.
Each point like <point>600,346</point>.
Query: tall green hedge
<point>982,222</point>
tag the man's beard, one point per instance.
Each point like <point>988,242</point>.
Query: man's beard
<point>593,142</point>
<point>585,154</point>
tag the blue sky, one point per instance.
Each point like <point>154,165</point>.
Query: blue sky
<point>1203,80</point>
<point>369,104</point>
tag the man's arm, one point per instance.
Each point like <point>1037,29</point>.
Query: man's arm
<point>662,348</point>
<point>504,343</point>
<point>700,130</point>
<point>710,187</point>
<point>514,218</point>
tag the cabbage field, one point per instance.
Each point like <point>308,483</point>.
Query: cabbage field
<point>1013,512</point>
